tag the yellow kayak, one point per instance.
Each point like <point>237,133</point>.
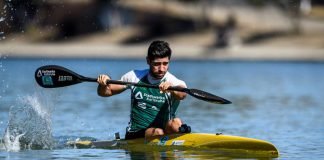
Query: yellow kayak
<point>189,140</point>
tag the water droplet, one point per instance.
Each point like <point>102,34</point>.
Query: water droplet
<point>2,19</point>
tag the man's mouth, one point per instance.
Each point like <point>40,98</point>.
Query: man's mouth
<point>160,75</point>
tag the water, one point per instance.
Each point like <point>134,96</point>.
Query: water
<point>280,102</point>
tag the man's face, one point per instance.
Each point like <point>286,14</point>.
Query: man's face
<point>158,67</point>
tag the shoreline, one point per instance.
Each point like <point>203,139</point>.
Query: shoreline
<point>181,52</point>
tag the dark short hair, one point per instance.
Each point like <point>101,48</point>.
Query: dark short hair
<point>159,49</point>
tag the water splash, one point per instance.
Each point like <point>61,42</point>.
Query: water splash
<point>29,125</point>
<point>3,18</point>
<point>12,142</point>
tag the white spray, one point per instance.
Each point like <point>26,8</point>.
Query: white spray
<point>29,125</point>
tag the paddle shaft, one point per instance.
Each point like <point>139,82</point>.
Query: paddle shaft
<point>87,79</point>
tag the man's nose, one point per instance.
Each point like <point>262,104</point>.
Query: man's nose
<point>162,67</point>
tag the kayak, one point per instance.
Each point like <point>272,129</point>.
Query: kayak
<point>204,141</point>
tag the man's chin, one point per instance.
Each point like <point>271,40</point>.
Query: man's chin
<point>159,76</point>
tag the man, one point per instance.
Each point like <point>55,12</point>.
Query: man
<point>152,110</point>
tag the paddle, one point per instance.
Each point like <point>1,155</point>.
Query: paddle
<point>53,76</point>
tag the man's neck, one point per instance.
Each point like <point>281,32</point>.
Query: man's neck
<point>152,79</point>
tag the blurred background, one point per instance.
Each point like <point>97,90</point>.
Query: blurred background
<point>250,29</point>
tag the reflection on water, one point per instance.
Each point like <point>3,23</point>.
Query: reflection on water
<point>194,154</point>
<point>280,102</point>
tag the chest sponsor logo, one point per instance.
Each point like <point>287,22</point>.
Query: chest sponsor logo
<point>154,98</point>
<point>139,95</point>
<point>149,97</point>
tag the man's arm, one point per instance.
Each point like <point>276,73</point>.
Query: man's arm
<point>107,90</point>
<point>179,95</point>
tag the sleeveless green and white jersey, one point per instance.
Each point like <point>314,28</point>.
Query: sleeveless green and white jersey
<point>149,107</point>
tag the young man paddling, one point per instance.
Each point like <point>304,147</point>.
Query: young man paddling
<point>152,110</point>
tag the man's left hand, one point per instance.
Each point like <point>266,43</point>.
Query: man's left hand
<point>164,86</point>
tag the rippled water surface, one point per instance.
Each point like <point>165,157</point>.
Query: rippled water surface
<point>280,102</point>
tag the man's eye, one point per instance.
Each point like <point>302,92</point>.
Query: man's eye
<point>156,64</point>
<point>160,63</point>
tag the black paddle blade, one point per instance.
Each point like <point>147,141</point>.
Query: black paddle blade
<point>53,76</point>
<point>202,95</point>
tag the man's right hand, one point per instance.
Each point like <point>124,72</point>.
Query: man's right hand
<point>102,79</point>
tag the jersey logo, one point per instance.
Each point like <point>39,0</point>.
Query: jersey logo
<point>141,105</point>
<point>139,95</point>
<point>155,108</point>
